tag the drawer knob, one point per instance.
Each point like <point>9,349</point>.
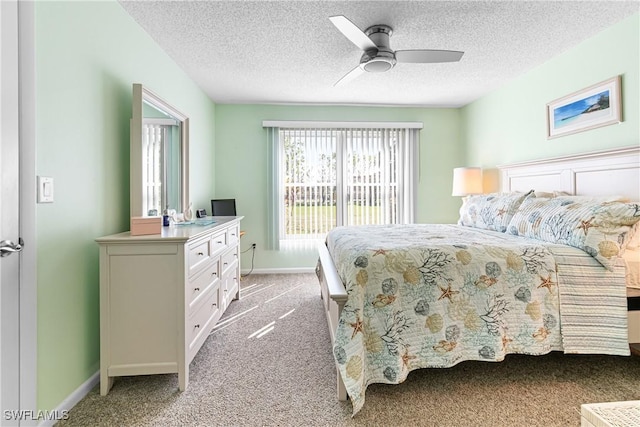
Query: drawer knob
<point>226,290</point>
<point>213,273</point>
<point>196,326</point>
<point>200,253</point>
<point>214,305</point>
<point>226,263</point>
<point>219,242</point>
<point>196,289</point>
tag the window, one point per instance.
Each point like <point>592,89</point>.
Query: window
<point>325,177</point>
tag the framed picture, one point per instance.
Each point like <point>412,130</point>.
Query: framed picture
<point>589,108</point>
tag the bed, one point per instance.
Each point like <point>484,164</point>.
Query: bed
<point>503,280</point>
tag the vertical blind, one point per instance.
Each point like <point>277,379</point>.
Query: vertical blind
<point>153,166</point>
<point>325,177</point>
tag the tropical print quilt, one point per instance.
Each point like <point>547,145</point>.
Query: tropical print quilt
<point>433,295</point>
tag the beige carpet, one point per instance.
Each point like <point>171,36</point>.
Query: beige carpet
<point>269,363</point>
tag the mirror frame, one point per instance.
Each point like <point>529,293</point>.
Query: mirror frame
<point>142,95</point>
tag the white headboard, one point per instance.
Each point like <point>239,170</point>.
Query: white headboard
<point>601,173</point>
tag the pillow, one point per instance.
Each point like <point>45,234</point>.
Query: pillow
<point>546,194</point>
<point>597,226</point>
<point>551,194</point>
<point>490,211</point>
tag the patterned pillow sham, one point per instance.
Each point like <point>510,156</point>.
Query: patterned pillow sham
<point>599,227</point>
<point>490,211</point>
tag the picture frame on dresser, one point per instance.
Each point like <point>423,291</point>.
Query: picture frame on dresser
<point>589,108</point>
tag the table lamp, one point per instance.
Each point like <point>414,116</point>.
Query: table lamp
<point>467,181</point>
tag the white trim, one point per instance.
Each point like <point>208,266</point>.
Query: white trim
<point>624,151</point>
<point>9,212</point>
<point>160,104</point>
<point>75,397</point>
<point>301,124</point>
<point>598,173</point>
<point>296,270</point>
<point>161,122</point>
<point>28,256</point>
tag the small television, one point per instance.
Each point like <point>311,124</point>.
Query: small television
<point>223,207</point>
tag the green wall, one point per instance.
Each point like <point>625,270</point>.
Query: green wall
<point>88,54</point>
<point>509,125</point>
<point>242,159</point>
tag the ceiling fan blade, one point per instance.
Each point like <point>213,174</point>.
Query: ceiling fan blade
<point>353,33</point>
<point>428,56</point>
<point>349,76</point>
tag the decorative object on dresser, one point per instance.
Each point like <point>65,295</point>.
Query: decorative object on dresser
<point>589,108</point>
<point>144,225</point>
<point>161,295</point>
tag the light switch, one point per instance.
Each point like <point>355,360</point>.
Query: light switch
<point>45,189</point>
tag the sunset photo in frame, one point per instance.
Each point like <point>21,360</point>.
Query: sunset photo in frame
<point>589,108</point>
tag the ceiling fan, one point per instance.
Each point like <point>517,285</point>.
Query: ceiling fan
<point>378,57</point>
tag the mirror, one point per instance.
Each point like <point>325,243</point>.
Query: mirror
<point>159,159</point>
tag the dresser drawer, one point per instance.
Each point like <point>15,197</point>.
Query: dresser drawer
<point>199,253</point>
<point>233,235</point>
<point>200,283</point>
<point>218,242</point>
<point>228,260</point>
<point>229,287</point>
<point>199,322</point>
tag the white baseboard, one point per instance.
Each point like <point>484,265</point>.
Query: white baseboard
<point>75,397</point>
<point>298,270</point>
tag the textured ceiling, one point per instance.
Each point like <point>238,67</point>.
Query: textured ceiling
<point>289,52</point>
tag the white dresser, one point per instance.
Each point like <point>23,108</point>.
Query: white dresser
<point>161,295</point>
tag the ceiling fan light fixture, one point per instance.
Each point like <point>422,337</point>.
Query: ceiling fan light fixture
<point>378,62</point>
<point>378,65</point>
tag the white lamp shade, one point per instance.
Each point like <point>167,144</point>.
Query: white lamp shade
<point>467,181</point>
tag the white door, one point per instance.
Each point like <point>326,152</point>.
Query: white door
<point>9,223</point>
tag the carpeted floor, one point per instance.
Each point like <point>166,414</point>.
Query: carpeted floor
<point>269,363</point>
